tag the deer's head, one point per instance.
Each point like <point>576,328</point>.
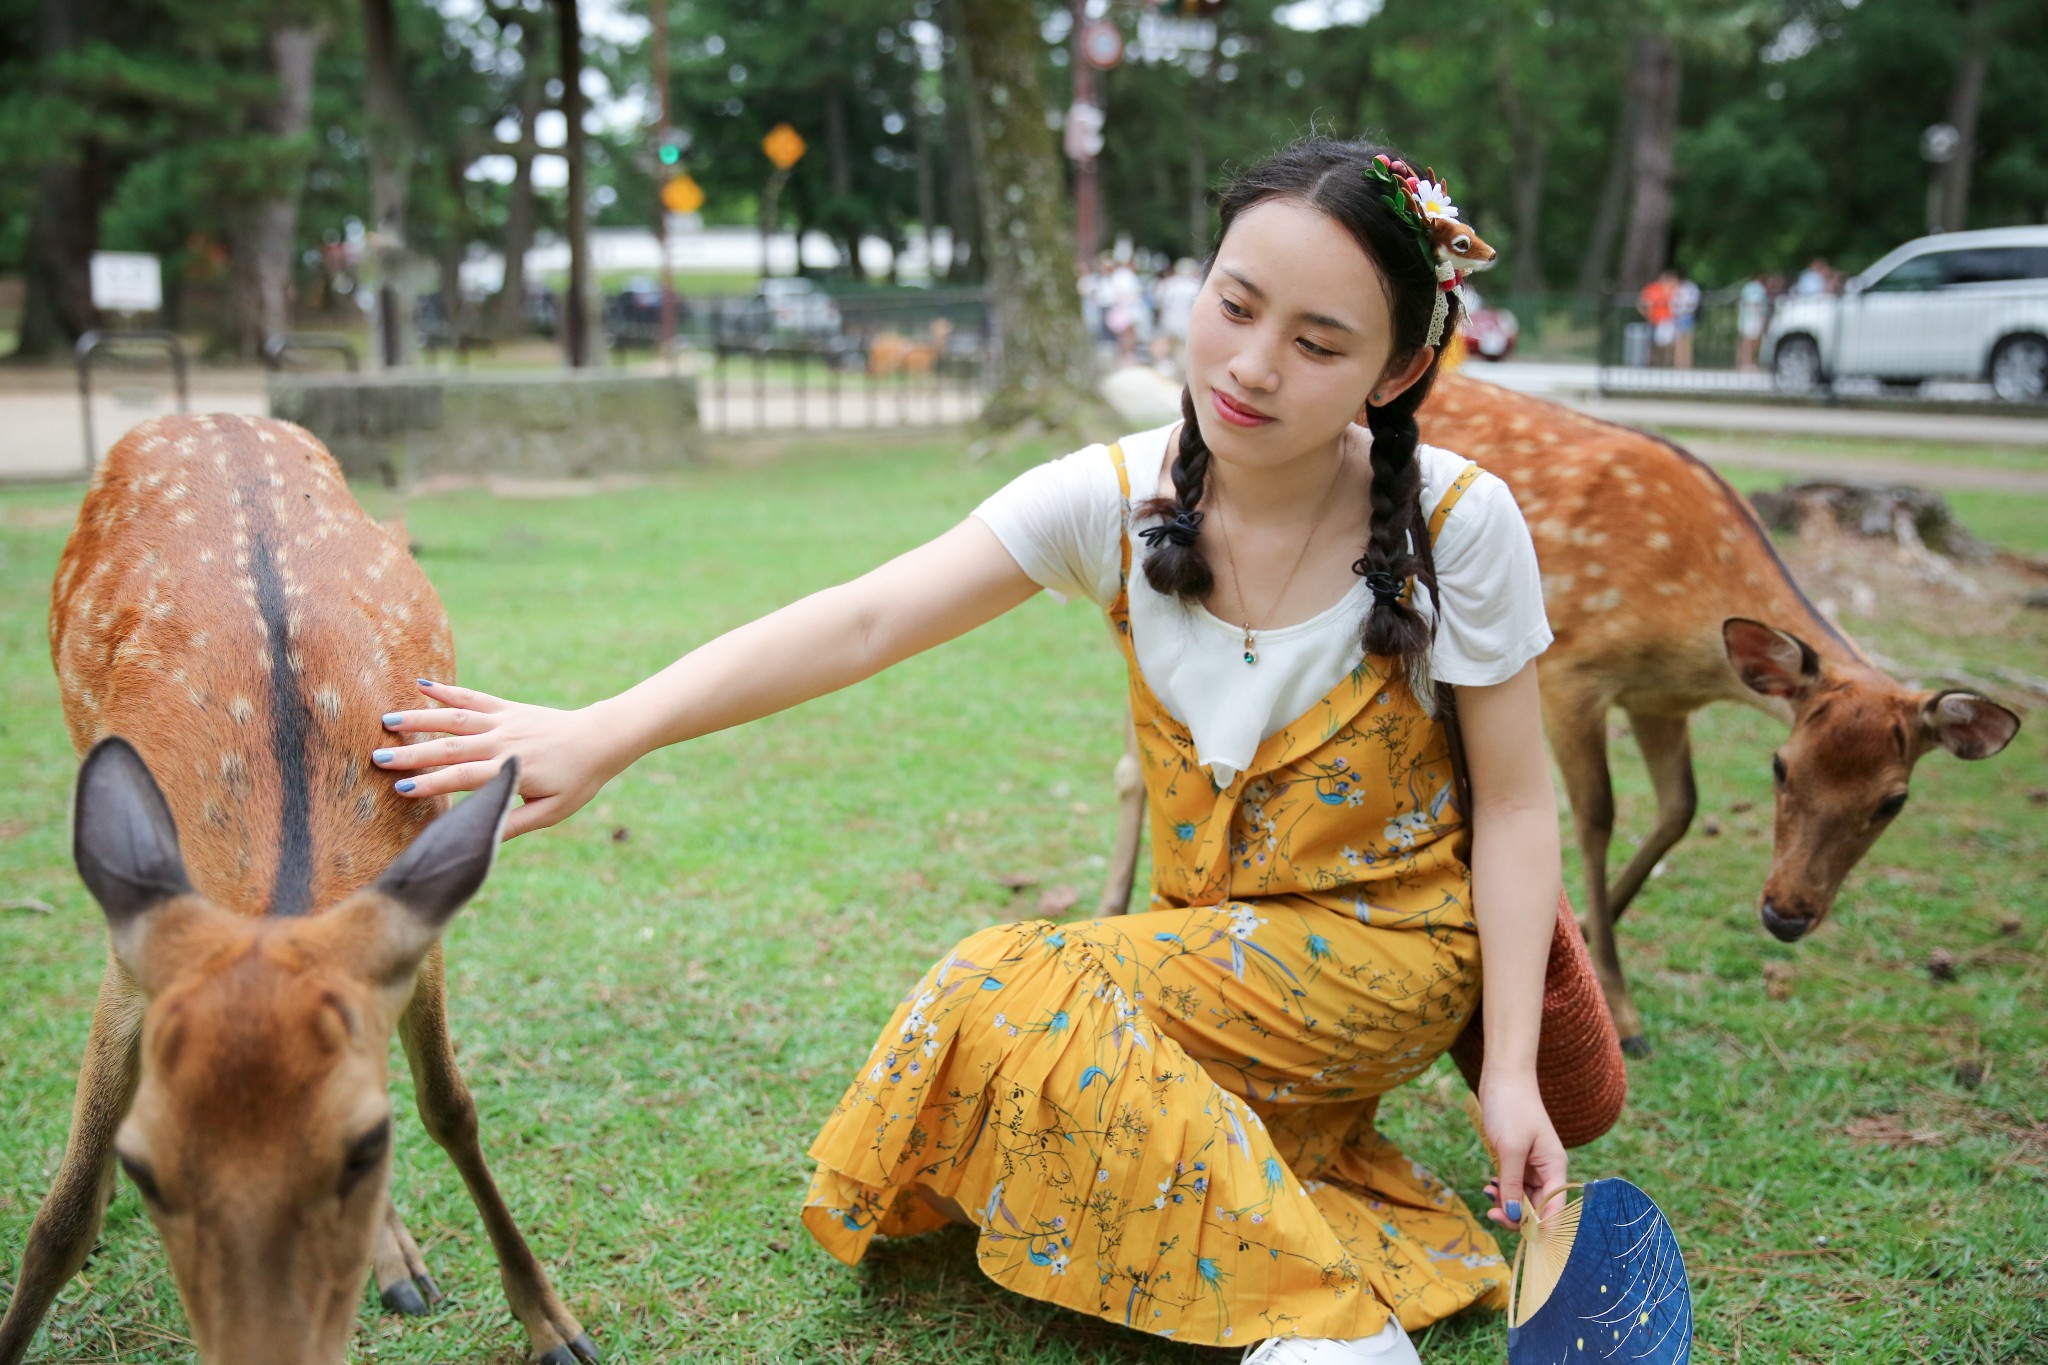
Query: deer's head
<point>1842,773</point>
<point>260,1135</point>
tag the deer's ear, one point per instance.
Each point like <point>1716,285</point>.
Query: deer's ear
<point>446,864</point>
<point>1770,662</point>
<point>125,843</point>
<point>1967,725</point>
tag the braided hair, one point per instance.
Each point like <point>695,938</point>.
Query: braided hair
<point>1329,175</point>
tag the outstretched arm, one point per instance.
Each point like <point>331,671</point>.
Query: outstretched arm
<point>820,644</point>
<point>1515,877</point>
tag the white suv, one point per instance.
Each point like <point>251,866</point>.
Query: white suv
<point>1959,305</point>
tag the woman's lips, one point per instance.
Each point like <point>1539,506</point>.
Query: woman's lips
<point>1235,413</point>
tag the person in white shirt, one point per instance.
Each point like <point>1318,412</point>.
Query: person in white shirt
<point>1167,1119</point>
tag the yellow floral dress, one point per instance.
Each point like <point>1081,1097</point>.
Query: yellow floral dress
<point>1166,1119</point>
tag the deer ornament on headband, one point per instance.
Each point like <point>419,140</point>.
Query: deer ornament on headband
<point>1424,203</point>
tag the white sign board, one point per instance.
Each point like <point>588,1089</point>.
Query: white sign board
<point>127,282</point>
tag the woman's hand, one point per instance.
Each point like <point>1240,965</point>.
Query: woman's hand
<point>1532,1162</point>
<point>563,756</point>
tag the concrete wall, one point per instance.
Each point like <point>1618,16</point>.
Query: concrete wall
<point>535,424</point>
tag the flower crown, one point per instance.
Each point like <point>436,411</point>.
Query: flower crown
<point>1424,204</point>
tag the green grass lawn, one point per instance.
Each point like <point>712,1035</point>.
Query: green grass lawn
<point>658,1003</point>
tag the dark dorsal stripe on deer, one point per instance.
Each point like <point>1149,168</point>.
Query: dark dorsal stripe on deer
<point>290,722</point>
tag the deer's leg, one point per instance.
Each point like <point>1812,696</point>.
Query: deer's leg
<point>1130,826</point>
<point>1667,752</point>
<point>402,1279</point>
<point>1577,727</point>
<point>449,1115</point>
<point>65,1226</point>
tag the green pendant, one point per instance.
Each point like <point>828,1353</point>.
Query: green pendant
<point>1251,654</point>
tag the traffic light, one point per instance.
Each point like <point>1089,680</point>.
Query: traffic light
<point>674,143</point>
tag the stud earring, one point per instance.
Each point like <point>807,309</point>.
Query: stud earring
<point>1375,395</point>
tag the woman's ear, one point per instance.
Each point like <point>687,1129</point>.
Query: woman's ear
<point>1397,381</point>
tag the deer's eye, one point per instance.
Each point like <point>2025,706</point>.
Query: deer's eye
<point>1890,806</point>
<point>364,1154</point>
<point>1778,770</point>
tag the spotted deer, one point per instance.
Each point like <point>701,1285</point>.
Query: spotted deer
<point>227,627</point>
<point>1664,595</point>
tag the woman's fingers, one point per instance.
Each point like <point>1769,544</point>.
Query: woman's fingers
<point>450,695</point>
<point>1514,1160</point>
<point>536,814</point>
<point>443,720</point>
<point>434,753</point>
<point>463,777</point>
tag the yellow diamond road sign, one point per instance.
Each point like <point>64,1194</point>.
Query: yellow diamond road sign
<point>784,145</point>
<point>682,195</point>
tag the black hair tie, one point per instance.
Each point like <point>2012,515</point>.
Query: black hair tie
<point>1385,587</point>
<point>1181,531</point>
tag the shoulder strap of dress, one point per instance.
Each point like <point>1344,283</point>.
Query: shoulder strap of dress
<point>1123,483</point>
<point>1465,479</point>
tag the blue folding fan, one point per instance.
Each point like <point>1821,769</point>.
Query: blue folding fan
<point>1600,1279</point>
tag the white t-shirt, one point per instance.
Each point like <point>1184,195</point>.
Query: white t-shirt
<point>1063,522</point>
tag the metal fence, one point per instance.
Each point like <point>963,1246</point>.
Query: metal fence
<point>1964,344</point>
<point>793,359</point>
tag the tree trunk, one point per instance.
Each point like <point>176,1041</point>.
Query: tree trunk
<point>1653,91</point>
<point>576,308</point>
<point>1044,374</point>
<point>963,195</point>
<point>64,221</point>
<point>1198,173</point>
<point>1964,101</point>
<point>262,234</point>
<point>1594,266</point>
<point>507,317</point>
<point>927,198</point>
<point>1531,147</point>
<point>389,140</point>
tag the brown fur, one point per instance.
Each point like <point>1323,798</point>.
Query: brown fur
<point>226,606</point>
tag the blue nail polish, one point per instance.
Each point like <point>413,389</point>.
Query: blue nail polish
<point>381,757</point>
<point>1514,1205</point>
<point>407,785</point>
<point>391,721</point>
<point>426,682</point>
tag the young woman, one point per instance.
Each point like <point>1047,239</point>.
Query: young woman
<point>1167,1119</point>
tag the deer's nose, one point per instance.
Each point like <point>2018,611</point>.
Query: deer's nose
<point>1785,928</point>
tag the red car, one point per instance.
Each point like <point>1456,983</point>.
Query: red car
<point>1489,332</point>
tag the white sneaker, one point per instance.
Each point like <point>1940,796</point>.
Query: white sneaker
<point>1388,1346</point>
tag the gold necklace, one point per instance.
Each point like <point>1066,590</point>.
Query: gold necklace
<point>1251,649</point>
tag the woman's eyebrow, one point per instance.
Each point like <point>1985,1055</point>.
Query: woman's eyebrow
<point>1319,319</point>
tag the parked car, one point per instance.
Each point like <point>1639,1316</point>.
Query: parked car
<point>1489,332</point>
<point>1957,305</point>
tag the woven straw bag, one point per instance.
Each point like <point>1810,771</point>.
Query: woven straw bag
<point>1578,1057</point>
<point>1579,1070</point>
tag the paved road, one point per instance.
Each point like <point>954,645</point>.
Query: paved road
<point>41,434</point>
<point>1573,385</point>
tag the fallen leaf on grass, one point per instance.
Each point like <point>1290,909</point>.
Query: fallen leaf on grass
<point>1057,900</point>
<point>1778,980</point>
<point>1941,965</point>
<point>1017,881</point>
<point>1882,1128</point>
<point>29,903</point>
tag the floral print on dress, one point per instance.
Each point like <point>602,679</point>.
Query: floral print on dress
<point>1166,1119</point>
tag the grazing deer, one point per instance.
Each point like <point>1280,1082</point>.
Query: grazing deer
<point>1665,594</point>
<point>227,619</point>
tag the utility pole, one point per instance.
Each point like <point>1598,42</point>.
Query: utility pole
<point>1086,192</point>
<point>658,11</point>
<point>576,317</point>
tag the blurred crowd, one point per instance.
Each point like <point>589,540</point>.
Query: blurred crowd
<point>1670,304</point>
<point>1138,307</point>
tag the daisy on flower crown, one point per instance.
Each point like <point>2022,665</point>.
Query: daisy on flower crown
<point>1423,202</point>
